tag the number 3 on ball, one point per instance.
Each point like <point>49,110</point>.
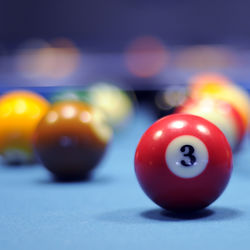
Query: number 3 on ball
<point>186,156</point>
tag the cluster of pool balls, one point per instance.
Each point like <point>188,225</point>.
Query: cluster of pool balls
<point>68,134</point>
<point>183,162</point>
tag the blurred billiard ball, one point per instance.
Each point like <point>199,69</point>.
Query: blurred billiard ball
<point>222,89</point>
<point>220,113</point>
<point>207,79</point>
<point>71,139</point>
<point>113,101</point>
<point>167,100</point>
<point>183,162</point>
<point>20,112</point>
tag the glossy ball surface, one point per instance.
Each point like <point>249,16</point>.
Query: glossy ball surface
<point>113,101</point>
<point>225,91</point>
<point>221,114</point>
<point>20,112</point>
<point>72,139</point>
<point>183,162</point>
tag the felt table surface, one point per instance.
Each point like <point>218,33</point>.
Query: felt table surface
<point>110,211</point>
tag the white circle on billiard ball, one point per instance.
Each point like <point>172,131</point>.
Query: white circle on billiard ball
<point>186,156</point>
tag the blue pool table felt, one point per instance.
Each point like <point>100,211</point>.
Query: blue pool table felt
<point>110,211</point>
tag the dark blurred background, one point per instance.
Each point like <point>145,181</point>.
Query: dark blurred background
<point>138,44</point>
<point>109,25</point>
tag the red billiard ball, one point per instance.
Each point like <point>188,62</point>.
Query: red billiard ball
<point>183,162</point>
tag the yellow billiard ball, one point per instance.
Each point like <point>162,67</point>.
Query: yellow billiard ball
<point>20,112</point>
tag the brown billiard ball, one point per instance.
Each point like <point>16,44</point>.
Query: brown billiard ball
<point>71,139</point>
